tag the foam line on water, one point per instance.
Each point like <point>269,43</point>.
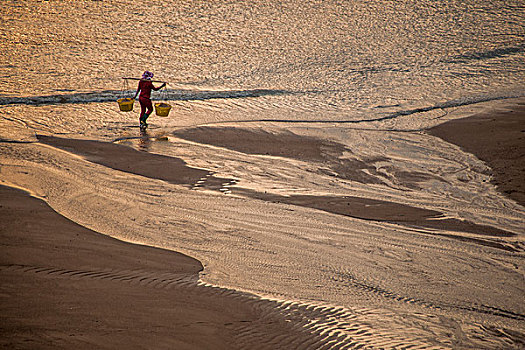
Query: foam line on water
<point>113,95</point>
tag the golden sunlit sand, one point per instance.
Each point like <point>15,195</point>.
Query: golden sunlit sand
<point>65,285</point>
<point>324,175</point>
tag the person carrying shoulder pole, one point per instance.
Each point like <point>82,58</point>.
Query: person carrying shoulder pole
<point>145,87</point>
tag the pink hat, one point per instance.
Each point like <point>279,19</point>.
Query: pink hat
<point>147,75</point>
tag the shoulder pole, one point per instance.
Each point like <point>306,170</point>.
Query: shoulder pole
<point>153,81</point>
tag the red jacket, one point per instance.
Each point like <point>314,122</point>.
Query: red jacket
<point>145,87</point>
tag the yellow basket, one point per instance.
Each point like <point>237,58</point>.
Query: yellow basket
<point>125,104</point>
<point>162,109</point>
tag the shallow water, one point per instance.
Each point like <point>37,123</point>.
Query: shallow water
<point>367,78</point>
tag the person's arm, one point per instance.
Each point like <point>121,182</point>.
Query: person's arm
<point>160,87</point>
<point>136,93</point>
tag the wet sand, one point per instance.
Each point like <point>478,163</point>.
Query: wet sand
<point>66,286</point>
<point>498,139</point>
<point>290,145</point>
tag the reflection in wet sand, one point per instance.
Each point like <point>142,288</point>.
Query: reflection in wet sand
<point>144,140</point>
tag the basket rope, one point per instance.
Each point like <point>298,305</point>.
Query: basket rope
<point>164,94</point>
<point>125,88</point>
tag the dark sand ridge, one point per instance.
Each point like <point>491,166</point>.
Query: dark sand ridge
<point>308,148</point>
<point>286,145</point>
<point>64,286</point>
<point>498,139</point>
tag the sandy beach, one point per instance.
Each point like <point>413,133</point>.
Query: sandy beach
<point>66,286</point>
<point>331,175</point>
<point>497,138</point>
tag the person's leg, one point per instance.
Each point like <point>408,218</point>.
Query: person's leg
<point>143,106</point>
<point>149,109</point>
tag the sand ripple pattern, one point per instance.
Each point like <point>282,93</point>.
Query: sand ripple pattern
<point>246,242</point>
<point>380,292</point>
<point>323,326</point>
